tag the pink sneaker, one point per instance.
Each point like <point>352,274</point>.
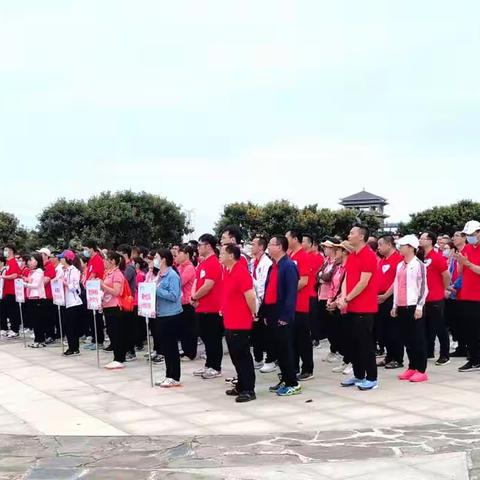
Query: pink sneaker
<point>419,377</point>
<point>407,374</point>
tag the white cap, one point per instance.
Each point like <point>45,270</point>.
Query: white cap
<point>471,227</point>
<point>45,250</point>
<point>411,240</point>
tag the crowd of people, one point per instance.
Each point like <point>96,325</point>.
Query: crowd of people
<point>273,300</point>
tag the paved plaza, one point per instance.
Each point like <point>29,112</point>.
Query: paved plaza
<point>62,418</point>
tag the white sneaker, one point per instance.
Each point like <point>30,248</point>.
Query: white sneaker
<point>211,373</point>
<point>348,370</point>
<point>339,368</point>
<point>3,333</point>
<point>268,368</point>
<point>200,371</point>
<point>258,365</point>
<point>37,345</point>
<point>203,356</point>
<point>114,365</point>
<point>168,383</point>
<point>12,334</point>
<point>331,358</point>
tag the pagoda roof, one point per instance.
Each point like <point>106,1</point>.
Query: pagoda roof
<point>363,197</point>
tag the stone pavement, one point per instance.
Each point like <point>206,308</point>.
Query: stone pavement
<point>64,418</point>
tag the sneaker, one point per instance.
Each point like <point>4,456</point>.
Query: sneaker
<point>37,345</point>
<point>90,346</point>
<point>380,352</point>
<point>289,391</point>
<point>49,341</point>
<point>203,356</point>
<point>393,365</point>
<point>233,392</point>
<point>407,374</point>
<point>442,361</point>
<point>114,365</point>
<point>303,377</point>
<point>3,333</point>
<point>244,397</point>
<point>152,355</point>
<point>268,368</point>
<point>130,357</point>
<point>157,359</point>
<point>108,349</point>
<point>139,348</point>
<point>83,339</point>
<point>12,334</point>
<point>211,373</point>
<point>199,372</point>
<point>348,370</point>
<point>381,362</point>
<point>339,368</point>
<point>419,377</point>
<point>368,385</point>
<point>168,383</point>
<point>258,365</point>
<point>331,358</point>
<point>469,367</point>
<point>69,352</point>
<point>315,343</point>
<point>351,382</point>
<point>276,387</point>
<point>458,353</point>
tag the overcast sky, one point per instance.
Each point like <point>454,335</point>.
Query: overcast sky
<point>211,102</point>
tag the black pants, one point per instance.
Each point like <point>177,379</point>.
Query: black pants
<point>131,328</point>
<point>413,334</point>
<point>38,310</point>
<point>71,320</point>
<point>323,320</point>
<point>3,316</point>
<point>436,327</point>
<point>189,331</point>
<point>344,329</point>
<point>392,329</point>
<point>270,323</point>
<point>284,339</point>
<point>471,317</point>
<point>258,336</point>
<point>379,325</point>
<point>238,342</point>
<point>361,345</point>
<point>50,319</point>
<point>117,330</point>
<point>169,328</point>
<point>140,329</point>
<point>12,312</point>
<point>314,319</point>
<point>303,349</point>
<point>211,333</point>
<point>456,323</point>
<point>157,336</point>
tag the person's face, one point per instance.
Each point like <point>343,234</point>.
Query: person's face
<point>459,240</point>
<point>355,236</point>
<point>338,254</point>
<point>274,248</point>
<point>425,242</point>
<point>306,244</point>
<point>227,239</point>
<point>7,252</point>
<point>21,262</point>
<point>174,251</point>
<point>109,263</point>
<point>182,257</point>
<point>405,250</point>
<point>32,263</point>
<point>329,251</point>
<point>384,248</point>
<point>225,259</point>
<point>63,262</point>
<point>44,258</point>
<point>256,248</point>
<point>292,242</point>
<point>203,249</point>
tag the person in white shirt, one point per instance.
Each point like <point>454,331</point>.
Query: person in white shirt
<point>73,301</point>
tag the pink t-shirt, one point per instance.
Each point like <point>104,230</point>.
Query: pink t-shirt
<point>325,287</point>
<point>402,286</point>
<point>187,276</point>
<point>112,277</point>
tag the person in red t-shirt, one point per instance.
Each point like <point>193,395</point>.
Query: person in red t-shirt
<point>52,327</point>
<point>360,296</point>
<point>303,347</point>
<point>438,280</point>
<point>207,299</point>
<point>232,236</point>
<point>11,272</point>
<point>388,329</point>
<point>238,308</point>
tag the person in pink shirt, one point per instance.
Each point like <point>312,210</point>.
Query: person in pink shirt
<point>140,330</point>
<point>189,331</point>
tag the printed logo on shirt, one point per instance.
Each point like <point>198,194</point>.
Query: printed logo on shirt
<point>428,262</point>
<point>385,268</point>
<point>202,274</point>
<point>295,262</point>
<point>8,268</point>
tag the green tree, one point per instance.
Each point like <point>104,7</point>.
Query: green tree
<point>12,232</point>
<point>245,216</point>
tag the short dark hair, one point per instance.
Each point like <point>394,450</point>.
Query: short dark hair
<point>282,241</point>
<point>296,233</point>
<point>208,238</point>
<point>167,255</point>
<point>233,250</point>
<point>364,229</point>
<point>431,236</point>
<point>125,249</point>
<point>262,241</point>
<point>233,232</point>
<point>91,244</point>
<point>188,249</point>
<point>310,237</point>
<point>388,239</point>
<point>11,247</point>
<point>38,257</point>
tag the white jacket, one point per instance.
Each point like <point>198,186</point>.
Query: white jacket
<point>72,287</point>
<point>259,282</point>
<point>417,288</point>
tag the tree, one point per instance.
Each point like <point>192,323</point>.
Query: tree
<point>443,220</point>
<point>245,216</point>
<point>12,232</point>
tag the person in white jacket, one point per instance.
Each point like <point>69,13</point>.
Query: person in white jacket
<point>259,269</point>
<point>409,295</point>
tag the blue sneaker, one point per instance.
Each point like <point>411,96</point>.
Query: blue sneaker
<point>351,382</point>
<point>289,391</point>
<point>368,385</point>
<point>89,346</point>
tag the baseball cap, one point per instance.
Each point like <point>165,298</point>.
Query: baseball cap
<point>67,254</point>
<point>471,227</point>
<point>45,250</point>
<point>411,240</point>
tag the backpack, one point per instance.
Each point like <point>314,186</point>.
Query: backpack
<point>126,300</point>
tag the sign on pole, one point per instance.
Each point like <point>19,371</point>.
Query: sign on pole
<point>94,296</point>
<point>146,299</point>
<point>58,292</point>
<point>19,290</point>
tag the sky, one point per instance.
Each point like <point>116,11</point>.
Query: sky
<point>216,101</point>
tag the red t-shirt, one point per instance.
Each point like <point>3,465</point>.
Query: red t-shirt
<point>387,268</point>
<point>364,261</point>
<point>49,272</point>
<point>471,280</point>
<point>271,291</point>
<point>316,262</point>
<point>210,269</point>
<point>302,261</point>
<point>95,266</point>
<point>436,264</point>
<point>11,268</point>
<point>235,310</point>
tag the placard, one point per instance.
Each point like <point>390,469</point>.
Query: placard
<point>58,292</point>
<point>1,288</point>
<point>94,295</point>
<point>146,299</point>
<point>19,291</point>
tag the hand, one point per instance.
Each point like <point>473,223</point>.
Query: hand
<point>341,303</point>
<point>381,298</point>
<point>418,313</point>
<point>461,259</point>
<point>393,313</point>
<point>194,303</point>
<point>331,306</point>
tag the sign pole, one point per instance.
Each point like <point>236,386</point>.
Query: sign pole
<point>96,337</point>
<point>150,362</point>
<point>23,326</point>
<point>61,329</point>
